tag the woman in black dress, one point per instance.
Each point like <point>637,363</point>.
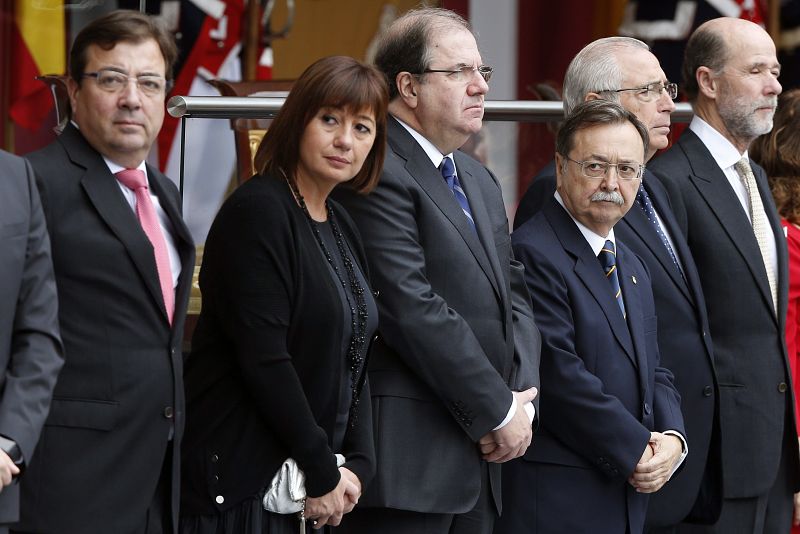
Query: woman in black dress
<point>277,368</point>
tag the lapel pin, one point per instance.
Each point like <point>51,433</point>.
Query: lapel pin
<point>633,279</point>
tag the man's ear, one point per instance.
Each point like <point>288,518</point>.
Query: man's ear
<point>407,85</point>
<point>72,90</point>
<point>707,83</point>
<point>592,96</point>
<point>559,169</point>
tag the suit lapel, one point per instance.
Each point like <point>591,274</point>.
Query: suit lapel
<point>633,306</point>
<point>637,221</point>
<point>472,189</point>
<point>589,271</point>
<point>421,169</point>
<point>104,194</point>
<point>713,186</point>
<point>182,237</point>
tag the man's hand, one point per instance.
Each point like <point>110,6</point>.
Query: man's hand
<point>652,473</point>
<point>512,440</point>
<point>7,470</point>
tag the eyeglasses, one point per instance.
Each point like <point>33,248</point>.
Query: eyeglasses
<point>626,172</point>
<point>114,81</point>
<point>650,91</point>
<point>465,73</point>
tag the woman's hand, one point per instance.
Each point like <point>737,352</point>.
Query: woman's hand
<point>355,489</point>
<point>329,509</point>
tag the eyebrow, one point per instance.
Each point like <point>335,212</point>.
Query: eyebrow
<point>765,65</point>
<point>126,73</point>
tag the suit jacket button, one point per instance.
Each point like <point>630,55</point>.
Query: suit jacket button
<point>214,458</point>
<point>647,408</point>
<point>782,387</point>
<point>168,413</point>
<point>707,391</point>
<point>219,499</point>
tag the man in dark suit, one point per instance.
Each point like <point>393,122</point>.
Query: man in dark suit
<point>108,458</point>
<point>613,428</point>
<point>604,66</point>
<point>32,353</point>
<point>453,369</point>
<point>723,206</point>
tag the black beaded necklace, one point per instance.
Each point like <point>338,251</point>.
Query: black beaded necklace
<point>358,313</point>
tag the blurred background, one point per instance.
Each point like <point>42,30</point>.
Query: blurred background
<point>528,42</point>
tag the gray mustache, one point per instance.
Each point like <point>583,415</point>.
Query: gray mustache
<point>608,196</point>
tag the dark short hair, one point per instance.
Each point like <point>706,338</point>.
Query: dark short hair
<point>120,26</point>
<point>779,153</point>
<point>706,48</point>
<point>405,45</point>
<point>596,113</point>
<point>337,82</point>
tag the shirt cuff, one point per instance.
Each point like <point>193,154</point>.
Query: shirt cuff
<point>684,453</point>
<point>510,415</point>
<point>530,411</point>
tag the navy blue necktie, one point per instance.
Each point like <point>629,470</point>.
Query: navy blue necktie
<point>643,199</point>
<point>449,174</point>
<point>608,259</point>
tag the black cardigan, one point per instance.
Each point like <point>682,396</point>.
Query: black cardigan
<point>263,379</point>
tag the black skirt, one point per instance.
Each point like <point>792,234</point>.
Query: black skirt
<point>248,517</point>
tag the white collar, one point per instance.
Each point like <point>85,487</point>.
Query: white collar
<point>724,153</point>
<point>433,153</point>
<point>596,241</point>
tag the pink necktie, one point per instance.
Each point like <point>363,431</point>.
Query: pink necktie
<point>135,180</point>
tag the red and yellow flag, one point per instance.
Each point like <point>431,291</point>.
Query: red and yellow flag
<point>39,47</point>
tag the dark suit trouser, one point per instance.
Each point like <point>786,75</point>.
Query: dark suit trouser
<point>479,520</point>
<point>770,513</point>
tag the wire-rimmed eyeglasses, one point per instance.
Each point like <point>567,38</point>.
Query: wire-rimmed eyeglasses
<point>650,91</point>
<point>465,72</point>
<point>114,81</point>
<point>599,169</point>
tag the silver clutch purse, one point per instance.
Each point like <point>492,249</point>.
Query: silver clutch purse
<point>286,493</point>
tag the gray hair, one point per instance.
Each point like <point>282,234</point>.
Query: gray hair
<point>596,113</point>
<point>405,46</point>
<point>595,69</point>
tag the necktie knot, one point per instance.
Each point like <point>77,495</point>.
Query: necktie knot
<point>448,171</point>
<point>133,179</point>
<point>608,256</point>
<point>743,168</point>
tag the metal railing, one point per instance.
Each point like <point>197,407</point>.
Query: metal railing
<point>227,107</point>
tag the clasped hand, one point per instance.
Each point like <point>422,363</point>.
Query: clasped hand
<point>657,462</point>
<point>329,508</point>
<point>512,440</point>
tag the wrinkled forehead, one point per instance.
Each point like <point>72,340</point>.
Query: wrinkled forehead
<point>639,67</point>
<point>453,46</point>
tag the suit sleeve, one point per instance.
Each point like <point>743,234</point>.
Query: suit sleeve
<point>36,354</point>
<point>429,336</point>
<point>527,341</point>
<point>599,427</point>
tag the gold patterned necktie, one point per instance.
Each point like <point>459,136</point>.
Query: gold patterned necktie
<point>761,228</point>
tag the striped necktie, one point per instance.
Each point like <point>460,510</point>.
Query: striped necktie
<point>608,259</point>
<point>758,218</point>
<point>449,173</point>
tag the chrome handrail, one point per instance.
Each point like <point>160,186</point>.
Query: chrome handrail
<point>229,107</point>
